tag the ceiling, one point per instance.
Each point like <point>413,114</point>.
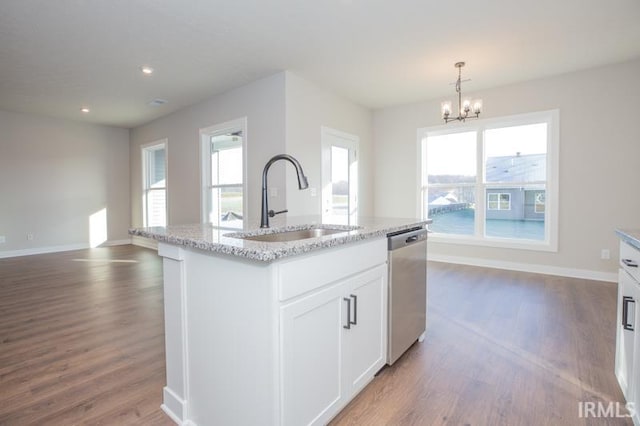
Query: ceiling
<point>58,56</point>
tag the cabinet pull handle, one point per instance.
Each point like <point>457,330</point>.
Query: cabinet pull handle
<point>355,309</point>
<point>348,326</point>
<point>630,263</point>
<point>625,312</point>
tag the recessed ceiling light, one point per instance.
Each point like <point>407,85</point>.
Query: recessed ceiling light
<point>157,102</point>
<point>146,70</point>
<point>85,110</point>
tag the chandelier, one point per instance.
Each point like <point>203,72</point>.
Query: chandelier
<point>466,107</point>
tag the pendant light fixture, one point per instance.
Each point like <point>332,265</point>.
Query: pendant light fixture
<point>466,107</point>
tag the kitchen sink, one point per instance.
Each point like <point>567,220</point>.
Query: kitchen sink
<point>276,237</point>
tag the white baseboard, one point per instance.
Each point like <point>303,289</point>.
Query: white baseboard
<point>527,267</point>
<point>144,242</point>
<point>174,407</point>
<point>57,249</point>
<point>116,243</point>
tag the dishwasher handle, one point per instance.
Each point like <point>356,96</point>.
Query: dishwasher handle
<point>404,239</point>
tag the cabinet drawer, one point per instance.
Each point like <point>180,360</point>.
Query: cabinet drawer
<point>630,256</point>
<point>302,274</point>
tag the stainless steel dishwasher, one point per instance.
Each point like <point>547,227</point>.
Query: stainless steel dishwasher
<point>407,290</point>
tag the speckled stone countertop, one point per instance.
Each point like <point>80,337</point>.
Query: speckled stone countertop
<point>630,236</point>
<point>229,242</point>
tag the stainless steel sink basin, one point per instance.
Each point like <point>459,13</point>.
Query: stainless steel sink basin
<point>277,237</point>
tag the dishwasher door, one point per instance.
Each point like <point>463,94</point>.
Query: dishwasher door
<point>407,290</point>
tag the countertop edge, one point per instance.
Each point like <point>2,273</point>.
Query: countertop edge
<point>267,254</point>
<point>626,236</point>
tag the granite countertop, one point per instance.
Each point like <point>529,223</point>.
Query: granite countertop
<point>630,236</point>
<point>224,241</point>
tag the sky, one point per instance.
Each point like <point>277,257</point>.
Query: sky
<point>455,153</point>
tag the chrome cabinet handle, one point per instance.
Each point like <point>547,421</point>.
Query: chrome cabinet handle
<point>625,312</point>
<point>348,326</point>
<point>355,310</point>
<point>630,263</point>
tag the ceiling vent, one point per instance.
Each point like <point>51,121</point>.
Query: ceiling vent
<point>157,102</point>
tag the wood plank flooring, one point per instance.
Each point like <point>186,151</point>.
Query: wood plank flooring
<point>502,348</point>
<point>81,342</point>
<point>82,338</point>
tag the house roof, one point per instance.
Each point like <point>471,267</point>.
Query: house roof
<point>516,168</point>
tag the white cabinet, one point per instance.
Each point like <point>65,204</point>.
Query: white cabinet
<point>250,343</point>
<point>626,326</point>
<point>311,357</point>
<point>333,342</point>
<point>627,365</point>
<point>365,342</point>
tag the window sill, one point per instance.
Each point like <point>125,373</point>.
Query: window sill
<point>507,243</point>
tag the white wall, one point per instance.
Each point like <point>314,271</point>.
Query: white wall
<point>262,102</point>
<point>599,161</point>
<point>308,108</point>
<point>55,174</point>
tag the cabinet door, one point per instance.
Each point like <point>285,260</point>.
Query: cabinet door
<point>627,314</point>
<point>633,377</point>
<point>365,342</point>
<point>311,347</point>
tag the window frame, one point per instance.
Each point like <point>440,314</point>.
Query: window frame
<point>144,150</point>
<point>479,238</point>
<point>206,185</point>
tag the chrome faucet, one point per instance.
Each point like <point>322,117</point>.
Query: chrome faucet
<point>302,184</point>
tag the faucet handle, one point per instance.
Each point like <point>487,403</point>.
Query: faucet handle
<point>272,213</point>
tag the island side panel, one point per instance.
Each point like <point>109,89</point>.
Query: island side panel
<point>174,393</point>
<point>231,318</point>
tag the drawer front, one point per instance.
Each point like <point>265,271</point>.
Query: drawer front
<point>306,273</point>
<point>630,260</point>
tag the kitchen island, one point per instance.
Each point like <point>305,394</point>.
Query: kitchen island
<point>262,332</point>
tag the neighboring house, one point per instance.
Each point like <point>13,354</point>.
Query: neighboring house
<point>512,202</point>
<point>508,202</point>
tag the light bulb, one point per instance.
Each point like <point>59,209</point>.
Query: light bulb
<point>477,106</point>
<point>446,109</point>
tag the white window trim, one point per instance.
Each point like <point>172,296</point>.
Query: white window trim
<point>165,145</point>
<point>352,144</point>
<point>551,215</point>
<point>205,157</point>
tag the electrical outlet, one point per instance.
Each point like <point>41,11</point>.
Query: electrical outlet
<point>313,192</point>
<point>605,254</point>
<point>2,239</point>
<point>273,191</point>
<point>30,236</point>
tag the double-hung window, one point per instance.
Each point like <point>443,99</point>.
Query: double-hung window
<point>493,182</point>
<point>223,174</point>
<point>154,184</point>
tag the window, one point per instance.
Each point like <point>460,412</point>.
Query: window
<point>154,184</point>
<point>339,177</point>
<point>488,182</point>
<point>223,159</point>
<point>539,203</point>
<point>498,201</point>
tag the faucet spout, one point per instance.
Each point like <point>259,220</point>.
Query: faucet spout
<point>303,183</point>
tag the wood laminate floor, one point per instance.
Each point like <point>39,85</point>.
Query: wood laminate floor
<point>81,342</point>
